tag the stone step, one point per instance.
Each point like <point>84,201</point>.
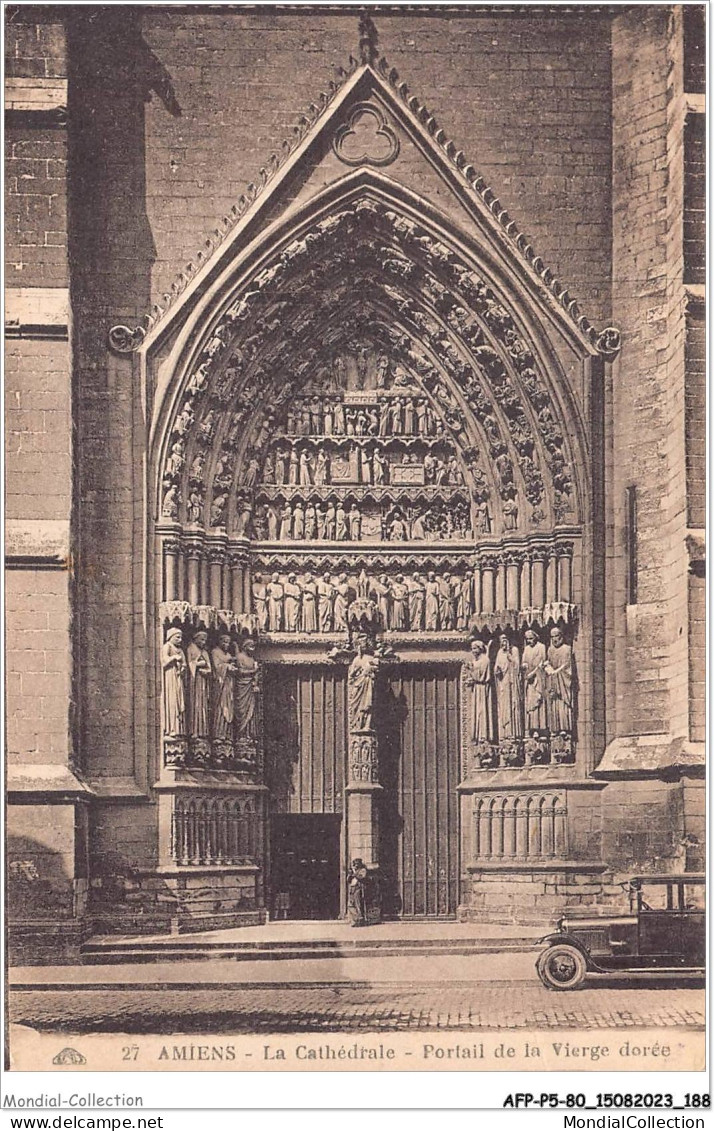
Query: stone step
<point>175,950</point>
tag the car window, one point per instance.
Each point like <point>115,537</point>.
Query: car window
<point>654,897</point>
<point>694,897</point>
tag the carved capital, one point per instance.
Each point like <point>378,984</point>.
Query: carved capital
<point>193,549</point>
<point>489,561</point>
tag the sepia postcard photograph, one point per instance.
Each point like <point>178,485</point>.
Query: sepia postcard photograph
<point>355,493</point>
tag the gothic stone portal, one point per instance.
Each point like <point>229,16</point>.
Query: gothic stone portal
<point>374,448</point>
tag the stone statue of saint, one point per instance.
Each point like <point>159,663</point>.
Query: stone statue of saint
<point>360,686</point>
<point>379,592</point>
<point>534,679</point>
<point>510,514</point>
<point>559,670</point>
<point>223,691</point>
<point>293,598</point>
<point>355,523</point>
<point>417,593</point>
<point>247,688</point>
<point>342,600</point>
<point>169,506</point>
<point>173,665</point>
<point>379,465</point>
<point>400,604</point>
<point>483,518</point>
<point>476,678</point>
<point>465,607</point>
<point>260,602</point>
<point>286,523</point>
<point>433,603</point>
<point>325,599</point>
<point>309,604</point>
<point>322,467</point>
<point>509,690</point>
<point>276,594</point>
<point>199,666</point>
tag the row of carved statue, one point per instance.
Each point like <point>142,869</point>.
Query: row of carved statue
<point>333,522</point>
<point>509,695</point>
<point>404,603</point>
<point>299,466</point>
<point>390,416</point>
<point>210,698</point>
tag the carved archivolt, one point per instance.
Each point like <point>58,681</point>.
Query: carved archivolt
<point>367,282</point>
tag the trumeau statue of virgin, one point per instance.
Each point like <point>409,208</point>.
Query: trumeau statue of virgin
<point>361,680</point>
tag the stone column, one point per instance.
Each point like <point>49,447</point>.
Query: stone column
<point>193,558</point>
<point>237,562</point>
<point>526,598</point>
<point>361,796</point>
<point>551,578</point>
<point>513,563</point>
<point>216,556</point>
<point>538,577</point>
<point>172,550</point>
<point>565,571</point>
<point>487,567</point>
<point>363,789</point>
<point>500,585</point>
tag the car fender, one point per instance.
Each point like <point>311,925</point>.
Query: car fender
<point>559,938</point>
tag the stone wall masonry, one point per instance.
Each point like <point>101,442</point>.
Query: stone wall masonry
<point>643,826</point>
<point>37,429</point>
<point>37,666</point>
<point>35,207</point>
<point>34,42</point>
<point>649,639</point>
<point>695,397</point>
<point>695,171</point>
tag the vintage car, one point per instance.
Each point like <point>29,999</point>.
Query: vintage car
<point>664,932</point>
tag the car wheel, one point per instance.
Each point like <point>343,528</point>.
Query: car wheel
<point>561,967</point>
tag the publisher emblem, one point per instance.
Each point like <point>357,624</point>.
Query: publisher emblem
<point>69,1056</point>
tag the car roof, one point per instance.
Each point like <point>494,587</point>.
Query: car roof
<point>678,878</point>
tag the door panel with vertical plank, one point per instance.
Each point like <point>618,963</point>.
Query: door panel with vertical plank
<point>419,760</point>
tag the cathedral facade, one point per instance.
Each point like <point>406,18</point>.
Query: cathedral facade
<point>372,530</point>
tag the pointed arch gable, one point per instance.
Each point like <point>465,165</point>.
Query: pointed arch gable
<point>378,89</point>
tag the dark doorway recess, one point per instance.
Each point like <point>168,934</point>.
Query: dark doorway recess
<point>305,854</point>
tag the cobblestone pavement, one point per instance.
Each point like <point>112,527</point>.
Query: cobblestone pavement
<point>351,1008</point>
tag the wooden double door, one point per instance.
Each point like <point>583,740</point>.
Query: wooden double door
<point>306,772</point>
